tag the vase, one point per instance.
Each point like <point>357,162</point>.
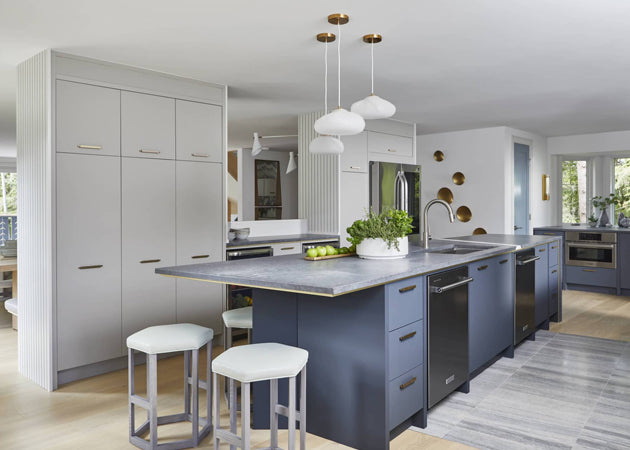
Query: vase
<point>604,220</point>
<point>377,249</point>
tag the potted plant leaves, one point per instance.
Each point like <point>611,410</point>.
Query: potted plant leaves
<point>381,236</point>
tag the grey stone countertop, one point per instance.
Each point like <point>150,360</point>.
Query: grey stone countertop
<point>584,227</point>
<point>261,240</point>
<point>334,276</point>
<point>521,241</point>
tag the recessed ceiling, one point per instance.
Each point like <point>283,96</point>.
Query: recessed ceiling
<point>554,68</point>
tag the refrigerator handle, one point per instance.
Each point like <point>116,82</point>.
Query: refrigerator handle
<point>401,191</point>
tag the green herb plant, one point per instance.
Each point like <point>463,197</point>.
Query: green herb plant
<point>617,199</point>
<point>390,225</point>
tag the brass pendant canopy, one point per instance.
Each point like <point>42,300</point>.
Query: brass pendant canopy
<point>326,37</point>
<point>338,19</point>
<point>372,38</point>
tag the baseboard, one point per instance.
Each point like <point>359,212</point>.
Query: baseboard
<point>596,289</point>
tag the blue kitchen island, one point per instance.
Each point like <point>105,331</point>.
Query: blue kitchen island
<point>364,324</point>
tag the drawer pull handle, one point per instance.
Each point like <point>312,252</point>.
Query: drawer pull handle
<point>503,261</point>
<point>554,247</point>
<point>200,256</point>
<point>480,268</point>
<point>287,248</point>
<point>553,271</point>
<point>408,383</point>
<point>355,167</point>
<point>95,266</point>
<point>152,152</point>
<point>393,150</point>
<point>407,289</point>
<point>90,147</point>
<point>407,336</point>
<point>199,155</point>
<point>542,250</point>
<point>149,261</point>
<point>549,234</point>
<point>589,270</point>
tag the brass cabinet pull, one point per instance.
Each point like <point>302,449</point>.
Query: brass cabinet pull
<point>95,266</point>
<point>149,261</point>
<point>393,150</point>
<point>199,155</point>
<point>554,247</point>
<point>503,261</point>
<point>408,383</point>
<point>407,336</point>
<point>152,152</point>
<point>90,147</point>
<point>589,270</point>
<point>482,268</point>
<point>554,271</point>
<point>287,248</point>
<point>549,234</point>
<point>200,256</point>
<point>407,289</point>
<point>542,250</point>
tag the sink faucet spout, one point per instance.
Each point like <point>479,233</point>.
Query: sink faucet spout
<point>425,233</point>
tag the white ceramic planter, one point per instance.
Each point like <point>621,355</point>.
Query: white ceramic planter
<point>377,249</point>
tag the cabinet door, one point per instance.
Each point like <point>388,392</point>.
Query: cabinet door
<point>554,290</point>
<point>88,119</point>
<point>623,253</point>
<point>390,144</point>
<point>355,154</point>
<point>147,126</point>
<point>88,259</point>
<point>354,201</point>
<point>200,217</point>
<point>287,248</point>
<point>490,309</point>
<point>148,241</point>
<point>542,284</point>
<point>199,131</point>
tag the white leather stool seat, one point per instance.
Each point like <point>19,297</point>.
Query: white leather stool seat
<point>11,306</point>
<point>177,337</point>
<point>257,362</point>
<point>238,318</point>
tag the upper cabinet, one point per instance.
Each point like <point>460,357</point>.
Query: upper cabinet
<point>391,141</point>
<point>389,144</point>
<point>355,154</point>
<point>147,126</point>
<point>88,119</point>
<point>199,131</point>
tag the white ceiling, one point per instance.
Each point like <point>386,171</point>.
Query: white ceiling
<point>551,67</point>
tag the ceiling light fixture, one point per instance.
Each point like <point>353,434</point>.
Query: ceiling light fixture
<point>339,122</point>
<point>292,164</point>
<point>373,106</point>
<point>257,146</point>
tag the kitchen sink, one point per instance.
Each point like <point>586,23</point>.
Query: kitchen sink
<point>459,249</point>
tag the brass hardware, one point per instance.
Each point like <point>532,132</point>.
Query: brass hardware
<point>326,37</point>
<point>438,155</point>
<point>545,187</point>
<point>199,155</point>
<point>554,247</point>
<point>503,261</point>
<point>407,336</point>
<point>200,256</point>
<point>542,250</point>
<point>90,147</point>
<point>407,289</point>
<point>480,268</point>
<point>554,271</point>
<point>464,214</point>
<point>589,270</point>
<point>287,248</point>
<point>408,383</point>
<point>549,234</point>
<point>445,194</point>
<point>480,231</point>
<point>393,150</point>
<point>152,152</point>
<point>372,38</point>
<point>458,178</point>
<point>338,19</point>
<point>149,261</point>
<point>96,266</point>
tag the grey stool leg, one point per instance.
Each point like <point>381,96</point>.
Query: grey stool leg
<point>232,410</point>
<point>291,414</point>
<point>209,384</point>
<point>152,394</point>
<point>217,410</point>
<point>132,391</point>
<point>195,397</point>
<point>273,414</point>
<point>187,383</point>
<point>303,409</point>
<point>245,415</point>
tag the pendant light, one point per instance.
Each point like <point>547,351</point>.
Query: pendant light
<point>373,106</point>
<point>339,122</point>
<point>324,143</point>
<point>292,164</point>
<point>256,146</point>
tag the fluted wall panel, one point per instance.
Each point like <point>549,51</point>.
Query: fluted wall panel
<point>34,205</point>
<point>318,181</point>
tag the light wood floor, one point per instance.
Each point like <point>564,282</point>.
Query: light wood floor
<point>596,315</point>
<point>93,413</point>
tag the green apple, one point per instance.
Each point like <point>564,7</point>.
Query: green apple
<point>343,250</point>
<point>312,253</point>
<point>330,250</point>
<point>321,251</point>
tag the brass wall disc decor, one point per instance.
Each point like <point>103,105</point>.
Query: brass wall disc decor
<point>458,178</point>
<point>445,194</point>
<point>338,19</point>
<point>326,37</point>
<point>438,155</point>
<point>480,231</point>
<point>372,38</point>
<point>464,214</point>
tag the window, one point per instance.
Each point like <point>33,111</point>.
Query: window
<point>8,206</point>
<point>574,182</point>
<point>622,182</point>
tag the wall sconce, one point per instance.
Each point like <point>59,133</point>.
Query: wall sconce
<point>545,187</point>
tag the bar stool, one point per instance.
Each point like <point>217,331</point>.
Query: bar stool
<point>236,318</point>
<point>261,362</point>
<point>182,337</point>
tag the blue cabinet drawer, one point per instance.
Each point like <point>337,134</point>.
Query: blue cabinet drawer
<point>405,396</point>
<point>404,301</point>
<point>405,348</point>
<point>554,250</point>
<point>591,276</point>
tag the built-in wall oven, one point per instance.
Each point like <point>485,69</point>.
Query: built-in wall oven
<point>591,249</point>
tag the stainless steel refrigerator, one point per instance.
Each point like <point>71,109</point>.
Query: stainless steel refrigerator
<point>397,186</point>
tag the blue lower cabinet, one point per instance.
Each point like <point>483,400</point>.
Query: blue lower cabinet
<point>406,393</point>
<point>404,301</point>
<point>623,259</point>
<point>542,284</point>
<point>405,348</point>
<point>591,276</point>
<point>554,290</point>
<point>490,309</point>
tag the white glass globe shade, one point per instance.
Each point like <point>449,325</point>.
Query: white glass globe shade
<point>340,122</point>
<point>326,144</point>
<point>373,107</point>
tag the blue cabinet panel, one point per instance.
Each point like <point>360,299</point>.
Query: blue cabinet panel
<point>591,276</point>
<point>554,290</point>
<point>404,301</point>
<point>490,309</point>
<point>406,395</point>
<point>554,254</point>
<point>542,284</point>
<point>623,253</point>
<point>405,348</point>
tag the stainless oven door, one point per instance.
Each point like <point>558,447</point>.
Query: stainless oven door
<point>590,254</point>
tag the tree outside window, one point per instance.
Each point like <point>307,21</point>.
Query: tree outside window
<point>574,204</point>
<point>622,182</point>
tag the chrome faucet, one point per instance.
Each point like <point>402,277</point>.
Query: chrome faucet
<point>425,233</point>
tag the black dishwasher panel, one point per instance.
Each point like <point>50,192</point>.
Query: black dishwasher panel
<point>525,308</point>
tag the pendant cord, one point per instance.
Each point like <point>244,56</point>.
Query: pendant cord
<point>326,78</point>
<point>372,52</point>
<point>338,64</point>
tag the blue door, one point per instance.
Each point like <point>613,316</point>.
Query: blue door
<point>521,189</point>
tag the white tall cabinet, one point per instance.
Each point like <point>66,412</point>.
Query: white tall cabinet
<point>131,169</point>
